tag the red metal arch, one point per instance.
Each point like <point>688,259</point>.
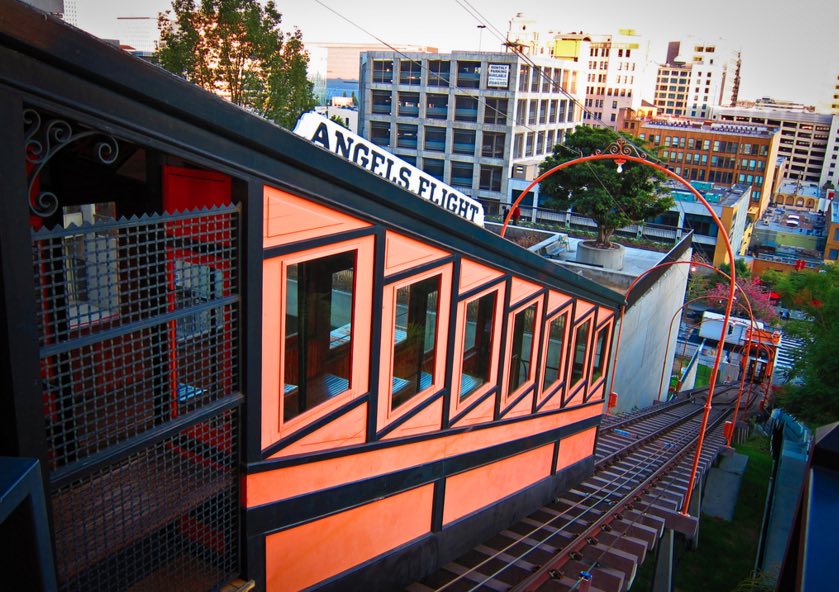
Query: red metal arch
<point>617,154</point>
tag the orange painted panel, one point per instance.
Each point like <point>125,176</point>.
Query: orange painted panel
<point>575,448</point>
<point>604,313</point>
<point>582,308</point>
<point>427,420</point>
<point>273,330</point>
<point>522,289</point>
<point>523,407</point>
<point>556,299</point>
<point>385,414</point>
<point>598,393</point>
<point>457,405</point>
<point>480,414</point>
<point>299,557</point>
<point>269,486</point>
<point>478,488</point>
<point>403,253</point>
<point>289,218</point>
<point>474,274</point>
<point>348,429</point>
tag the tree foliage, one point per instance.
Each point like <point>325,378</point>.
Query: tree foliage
<point>596,189</point>
<point>235,48</point>
<point>816,400</point>
<point>756,293</point>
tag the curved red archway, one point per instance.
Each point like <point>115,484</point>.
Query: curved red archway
<point>620,154</point>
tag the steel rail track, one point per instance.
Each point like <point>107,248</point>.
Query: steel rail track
<point>649,470</point>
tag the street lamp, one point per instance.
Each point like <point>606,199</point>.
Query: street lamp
<point>480,36</point>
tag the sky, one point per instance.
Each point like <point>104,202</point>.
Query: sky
<point>789,50</point>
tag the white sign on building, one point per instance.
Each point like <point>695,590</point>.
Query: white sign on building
<point>498,76</point>
<point>352,147</point>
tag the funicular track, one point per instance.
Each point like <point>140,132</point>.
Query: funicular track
<point>595,536</point>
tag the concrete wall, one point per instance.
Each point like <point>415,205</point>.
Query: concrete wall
<point>642,348</point>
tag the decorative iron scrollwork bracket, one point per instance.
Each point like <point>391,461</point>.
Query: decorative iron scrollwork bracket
<point>621,147</point>
<point>43,141</point>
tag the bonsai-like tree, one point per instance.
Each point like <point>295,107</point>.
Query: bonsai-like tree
<point>597,190</point>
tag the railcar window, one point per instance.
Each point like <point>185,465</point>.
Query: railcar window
<point>318,332</point>
<point>522,353</point>
<point>415,339</point>
<point>580,345</point>
<point>556,343</point>
<point>477,343</point>
<point>599,355</point>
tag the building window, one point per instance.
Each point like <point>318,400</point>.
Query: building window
<point>435,138</point>
<point>409,104</point>
<point>521,355</point>
<point>437,106</point>
<point>468,74</point>
<point>543,112</point>
<point>521,111</point>
<point>410,72</point>
<point>464,142</point>
<point>532,112</point>
<point>434,167</point>
<point>382,102</point>
<point>466,109</point>
<point>415,339</point>
<point>554,371</point>
<point>524,71</point>
<point>380,132</point>
<point>834,254</point>
<point>383,71</point>
<point>534,81</point>
<point>462,174</point>
<point>477,343</point>
<point>518,146</point>
<point>490,178</point>
<point>493,144</point>
<point>406,136</point>
<point>438,73</point>
<point>580,347</point>
<point>599,362</point>
<point>318,331</point>
<point>495,111</point>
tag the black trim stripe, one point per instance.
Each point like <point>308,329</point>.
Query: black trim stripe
<point>550,395</point>
<point>411,414</point>
<point>438,505</point>
<point>376,322</point>
<point>453,335</point>
<point>313,243</point>
<point>524,302</point>
<point>491,392</point>
<point>555,459</point>
<point>283,514</point>
<point>314,426</point>
<point>502,350</point>
<point>490,284</point>
<point>530,389</point>
<point>408,273</point>
<point>272,464</point>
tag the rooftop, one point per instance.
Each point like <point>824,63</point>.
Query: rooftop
<point>802,188</point>
<point>778,219</point>
<point>723,195</point>
<point>734,129</point>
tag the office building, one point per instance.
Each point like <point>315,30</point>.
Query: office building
<point>473,120</point>
<point>616,68</point>
<point>809,140</point>
<point>697,76</point>
<point>333,67</point>
<point>714,152</point>
<point>731,205</point>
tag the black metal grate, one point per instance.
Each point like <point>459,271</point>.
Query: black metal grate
<point>165,518</point>
<point>138,322</point>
